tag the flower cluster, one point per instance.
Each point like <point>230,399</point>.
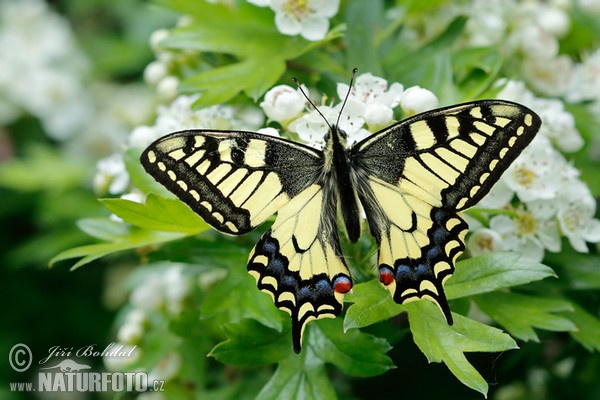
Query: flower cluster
<point>369,108</point>
<point>160,293</point>
<point>552,199</point>
<point>308,18</point>
<point>42,68</point>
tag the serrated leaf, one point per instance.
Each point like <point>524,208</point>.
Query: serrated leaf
<point>354,352</point>
<point>588,327</point>
<point>445,343</point>
<point>236,298</point>
<point>94,251</point>
<point>260,58</point>
<point>372,303</point>
<point>251,343</point>
<point>158,213</point>
<point>519,313</point>
<point>298,377</point>
<point>491,272</point>
<point>579,271</point>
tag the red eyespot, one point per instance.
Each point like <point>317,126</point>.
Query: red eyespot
<point>342,284</point>
<point>385,276</point>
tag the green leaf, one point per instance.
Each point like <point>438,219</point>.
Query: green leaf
<point>519,313</point>
<point>354,352</point>
<point>491,272</point>
<point>134,240</point>
<point>300,376</point>
<point>372,303</point>
<point>236,298</point>
<point>158,213</point>
<point>588,327</point>
<point>251,343</point>
<point>578,271</point>
<point>260,58</point>
<point>219,85</point>
<point>365,17</point>
<point>304,376</point>
<point>103,228</point>
<point>441,342</point>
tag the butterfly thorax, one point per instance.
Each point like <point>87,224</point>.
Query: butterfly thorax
<point>338,169</point>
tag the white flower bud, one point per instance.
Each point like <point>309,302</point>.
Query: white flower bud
<point>154,72</point>
<point>283,104</point>
<point>416,100</point>
<point>378,116</point>
<point>167,87</point>
<point>156,37</point>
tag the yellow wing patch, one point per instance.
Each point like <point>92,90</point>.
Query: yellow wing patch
<point>298,262</point>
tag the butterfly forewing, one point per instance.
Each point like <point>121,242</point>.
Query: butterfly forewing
<point>233,180</point>
<point>415,176</point>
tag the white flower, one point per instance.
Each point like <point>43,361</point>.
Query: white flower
<point>269,131</point>
<point>149,295</point>
<point>416,100</point>
<point>585,80</point>
<point>371,99</point>
<point>154,72</point>
<point>526,234</point>
<point>167,87</point>
<point>553,19</point>
<point>311,128</point>
<point>42,69</point>
<point>111,175</point>
<point>549,76</point>
<point>156,37</point>
<point>576,208</point>
<point>590,6</point>
<point>142,136</point>
<point>484,241</point>
<point>283,104</point>
<point>176,287</point>
<point>179,115</point>
<point>130,333</point>
<point>167,368</point>
<point>378,116</point>
<point>558,124</point>
<point>309,18</point>
<point>533,174</point>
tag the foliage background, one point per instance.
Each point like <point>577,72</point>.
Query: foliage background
<point>46,191</point>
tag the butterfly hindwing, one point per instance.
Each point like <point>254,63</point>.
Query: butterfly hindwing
<point>233,180</point>
<point>299,262</point>
<point>414,177</point>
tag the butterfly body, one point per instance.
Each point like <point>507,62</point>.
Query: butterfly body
<point>411,180</point>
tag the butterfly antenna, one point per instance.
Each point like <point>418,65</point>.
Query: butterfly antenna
<point>350,85</point>
<point>310,101</point>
